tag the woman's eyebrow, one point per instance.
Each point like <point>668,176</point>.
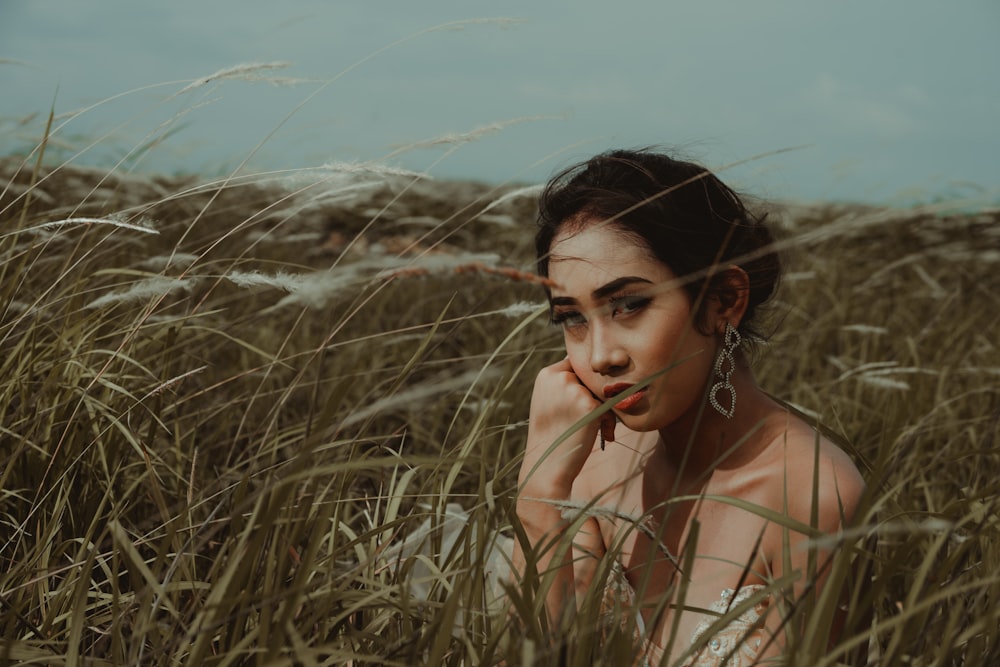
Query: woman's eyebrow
<point>617,284</point>
<point>602,291</point>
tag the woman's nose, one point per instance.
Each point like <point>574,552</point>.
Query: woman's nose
<point>606,352</point>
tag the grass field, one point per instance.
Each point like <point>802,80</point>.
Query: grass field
<point>223,400</point>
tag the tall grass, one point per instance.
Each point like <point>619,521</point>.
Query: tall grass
<point>225,403</point>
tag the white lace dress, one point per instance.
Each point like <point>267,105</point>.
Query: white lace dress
<point>736,644</point>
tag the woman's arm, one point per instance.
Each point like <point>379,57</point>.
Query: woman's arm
<point>827,508</point>
<point>554,456</point>
<point>573,573</point>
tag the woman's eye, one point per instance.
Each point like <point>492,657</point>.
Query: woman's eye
<point>568,319</point>
<point>628,304</point>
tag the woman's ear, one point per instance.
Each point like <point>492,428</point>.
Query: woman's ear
<point>731,291</point>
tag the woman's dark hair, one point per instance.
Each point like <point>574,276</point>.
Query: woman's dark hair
<point>689,219</point>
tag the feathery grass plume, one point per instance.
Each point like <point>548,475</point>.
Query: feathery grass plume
<point>371,168</point>
<point>161,262</point>
<point>521,308</point>
<point>284,281</point>
<point>461,266</point>
<point>798,276</point>
<point>37,192</point>
<point>143,290</point>
<point>243,72</point>
<point>865,329</point>
<point>315,290</point>
<point>335,195</point>
<point>885,382</point>
<point>144,226</point>
<point>527,191</point>
<point>848,370</point>
<point>18,307</point>
<point>460,138</point>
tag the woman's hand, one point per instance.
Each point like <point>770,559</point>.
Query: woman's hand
<point>558,401</point>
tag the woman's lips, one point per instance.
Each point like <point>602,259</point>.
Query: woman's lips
<point>625,403</point>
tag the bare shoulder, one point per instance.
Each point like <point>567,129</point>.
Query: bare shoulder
<point>817,476</point>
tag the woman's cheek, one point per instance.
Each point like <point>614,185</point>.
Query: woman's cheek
<point>574,354</point>
<point>581,367</point>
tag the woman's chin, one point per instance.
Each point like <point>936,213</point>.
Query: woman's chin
<point>637,423</point>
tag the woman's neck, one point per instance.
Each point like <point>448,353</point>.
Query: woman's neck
<point>703,440</point>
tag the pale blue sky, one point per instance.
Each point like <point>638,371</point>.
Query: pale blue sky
<point>895,100</point>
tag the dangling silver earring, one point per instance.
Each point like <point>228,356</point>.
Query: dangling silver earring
<point>725,364</point>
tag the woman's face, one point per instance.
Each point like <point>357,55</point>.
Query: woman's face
<point>622,322</point>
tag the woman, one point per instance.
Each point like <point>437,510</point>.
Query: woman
<point>657,272</point>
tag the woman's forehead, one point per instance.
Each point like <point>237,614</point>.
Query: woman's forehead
<point>588,259</point>
<point>600,244</point>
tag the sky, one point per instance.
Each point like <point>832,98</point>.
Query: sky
<point>888,101</point>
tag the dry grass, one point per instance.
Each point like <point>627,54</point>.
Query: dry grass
<point>223,401</point>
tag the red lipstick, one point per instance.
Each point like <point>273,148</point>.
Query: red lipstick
<point>625,403</point>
